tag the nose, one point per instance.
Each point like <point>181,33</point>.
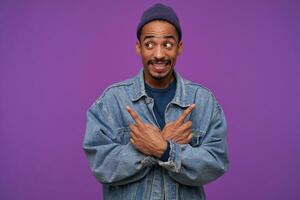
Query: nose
<point>159,53</point>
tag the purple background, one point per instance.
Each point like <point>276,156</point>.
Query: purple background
<point>56,57</point>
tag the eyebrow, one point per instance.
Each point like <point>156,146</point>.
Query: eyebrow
<point>166,36</point>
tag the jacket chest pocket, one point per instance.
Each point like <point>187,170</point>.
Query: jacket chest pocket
<point>197,138</point>
<point>122,135</point>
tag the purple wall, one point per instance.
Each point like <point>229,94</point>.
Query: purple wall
<point>57,57</point>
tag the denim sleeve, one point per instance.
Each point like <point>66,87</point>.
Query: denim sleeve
<point>111,162</point>
<point>199,165</point>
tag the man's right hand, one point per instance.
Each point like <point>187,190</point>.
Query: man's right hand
<point>178,131</point>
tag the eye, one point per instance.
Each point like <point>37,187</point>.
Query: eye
<point>168,45</point>
<point>149,45</point>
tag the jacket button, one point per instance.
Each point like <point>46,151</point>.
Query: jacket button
<point>148,100</point>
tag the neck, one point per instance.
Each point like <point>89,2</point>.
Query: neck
<point>159,83</point>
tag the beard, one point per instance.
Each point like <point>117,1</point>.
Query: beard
<point>158,78</point>
<point>159,69</point>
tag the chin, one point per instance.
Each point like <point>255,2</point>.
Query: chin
<point>160,76</point>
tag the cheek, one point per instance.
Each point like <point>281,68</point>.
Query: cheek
<point>174,56</point>
<point>171,54</point>
<point>146,58</point>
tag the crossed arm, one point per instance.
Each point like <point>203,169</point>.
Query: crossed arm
<point>187,165</point>
<point>113,163</point>
<point>149,140</point>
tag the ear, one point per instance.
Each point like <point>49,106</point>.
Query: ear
<point>180,47</point>
<point>138,47</point>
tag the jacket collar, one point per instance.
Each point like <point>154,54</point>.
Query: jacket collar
<point>179,99</point>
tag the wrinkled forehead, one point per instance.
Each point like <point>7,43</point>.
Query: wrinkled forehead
<point>159,29</point>
<point>158,37</point>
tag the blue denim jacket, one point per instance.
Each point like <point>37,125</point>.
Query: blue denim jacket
<point>128,174</point>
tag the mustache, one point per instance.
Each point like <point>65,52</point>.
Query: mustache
<point>159,61</point>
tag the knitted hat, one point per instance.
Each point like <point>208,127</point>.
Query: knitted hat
<point>159,12</point>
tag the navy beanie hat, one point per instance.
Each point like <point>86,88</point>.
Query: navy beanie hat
<point>159,12</point>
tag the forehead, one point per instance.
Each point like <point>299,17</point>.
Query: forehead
<point>159,28</point>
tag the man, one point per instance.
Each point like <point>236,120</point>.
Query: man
<point>156,135</point>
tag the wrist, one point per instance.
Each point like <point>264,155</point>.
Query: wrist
<point>162,149</point>
<point>165,156</point>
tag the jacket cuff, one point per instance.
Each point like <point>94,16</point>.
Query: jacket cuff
<point>174,162</point>
<point>148,161</point>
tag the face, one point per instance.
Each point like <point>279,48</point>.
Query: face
<point>158,47</point>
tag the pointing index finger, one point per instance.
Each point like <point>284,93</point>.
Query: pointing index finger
<point>185,113</point>
<point>134,116</point>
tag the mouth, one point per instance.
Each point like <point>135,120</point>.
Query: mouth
<point>160,66</point>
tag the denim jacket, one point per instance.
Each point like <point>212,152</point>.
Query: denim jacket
<point>128,174</point>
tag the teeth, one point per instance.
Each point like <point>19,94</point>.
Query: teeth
<point>159,65</point>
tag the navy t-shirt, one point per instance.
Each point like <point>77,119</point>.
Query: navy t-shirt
<point>161,99</point>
